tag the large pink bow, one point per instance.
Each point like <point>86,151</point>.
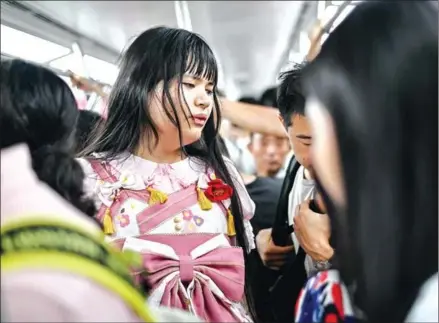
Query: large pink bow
<point>223,266</point>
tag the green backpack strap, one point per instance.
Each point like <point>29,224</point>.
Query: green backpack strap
<point>44,242</point>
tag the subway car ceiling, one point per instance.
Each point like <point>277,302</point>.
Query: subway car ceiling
<point>251,39</point>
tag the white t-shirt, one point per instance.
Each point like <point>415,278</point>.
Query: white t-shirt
<point>425,308</point>
<point>302,190</point>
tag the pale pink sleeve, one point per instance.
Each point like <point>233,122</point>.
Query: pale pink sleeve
<point>51,296</point>
<point>90,181</point>
<point>247,204</point>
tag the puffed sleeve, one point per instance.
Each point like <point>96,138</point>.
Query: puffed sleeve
<point>247,204</point>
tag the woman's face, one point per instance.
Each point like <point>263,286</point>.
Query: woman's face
<point>198,94</point>
<point>325,156</point>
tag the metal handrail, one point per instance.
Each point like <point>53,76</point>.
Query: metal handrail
<point>315,42</point>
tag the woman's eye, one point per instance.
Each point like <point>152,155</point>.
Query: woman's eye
<point>209,92</point>
<point>189,85</point>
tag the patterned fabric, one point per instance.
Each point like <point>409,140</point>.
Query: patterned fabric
<point>324,300</point>
<point>135,174</point>
<point>188,257</point>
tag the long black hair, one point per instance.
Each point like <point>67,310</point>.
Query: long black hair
<point>377,77</point>
<point>164,54</point>
<point>39,109</point>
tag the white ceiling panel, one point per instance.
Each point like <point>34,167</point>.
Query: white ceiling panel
<point>247,36</point>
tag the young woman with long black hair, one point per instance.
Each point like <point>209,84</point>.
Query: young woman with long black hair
<point>160,181</point>
<point>372,103</point>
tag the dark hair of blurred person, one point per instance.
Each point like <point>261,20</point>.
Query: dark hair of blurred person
<point>269,97</point>
<point>39,109</point>
<point>248,100</point>
<point>87,122</point>
<point>372,102</point>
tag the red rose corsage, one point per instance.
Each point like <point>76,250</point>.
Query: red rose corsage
<point>217,190</point>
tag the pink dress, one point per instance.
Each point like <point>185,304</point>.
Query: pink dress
<point>187,255</point>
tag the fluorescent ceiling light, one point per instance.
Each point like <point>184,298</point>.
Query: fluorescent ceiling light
<point>25,46</point>
<point>339,3</point>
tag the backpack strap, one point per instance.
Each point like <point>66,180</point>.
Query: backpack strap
<point>46,243</point>
<point>281,228</point>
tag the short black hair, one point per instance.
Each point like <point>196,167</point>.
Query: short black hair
<point>290,95</point>
<point>269,97</point>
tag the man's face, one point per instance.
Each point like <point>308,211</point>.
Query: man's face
<point>299,133</point>
<point>269,153</point>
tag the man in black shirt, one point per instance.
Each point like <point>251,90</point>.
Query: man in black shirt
<point>269,153</point>
<point>264,188</point>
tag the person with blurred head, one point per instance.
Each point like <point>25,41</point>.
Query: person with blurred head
<point>269,153</point>
<point>41,186</point>
<point>372,104</point>
<point>39,111</point>
<point>264,189</point>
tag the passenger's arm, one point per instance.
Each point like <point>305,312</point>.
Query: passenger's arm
<point>255,118</point>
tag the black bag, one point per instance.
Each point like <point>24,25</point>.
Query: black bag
<point>292,278</point>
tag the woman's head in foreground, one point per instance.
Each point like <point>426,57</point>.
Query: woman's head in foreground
<point>372,102</point>
<point>39,109</point>
<point>164,98</point>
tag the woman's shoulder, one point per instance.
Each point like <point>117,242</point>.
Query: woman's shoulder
<point>96,167</point>
<point>90,164</point>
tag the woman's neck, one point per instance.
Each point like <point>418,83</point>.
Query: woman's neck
<point>159,154</point>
